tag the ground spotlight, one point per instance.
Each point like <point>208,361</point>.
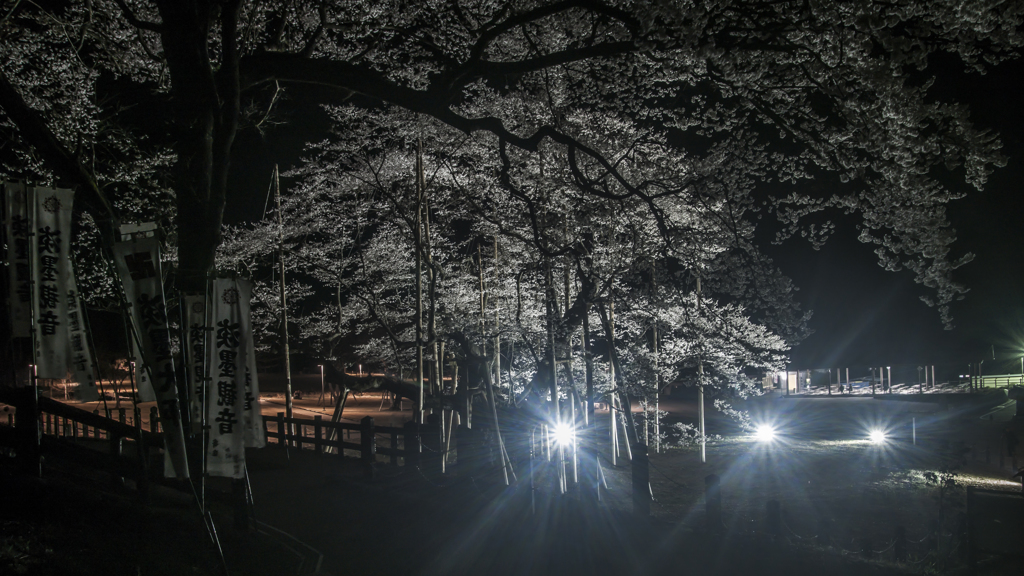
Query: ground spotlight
<point>563,434</point>
<point>764,433</point>
<point>878,436</point>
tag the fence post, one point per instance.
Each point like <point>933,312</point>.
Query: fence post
<point>282,434</point>
<point>824,533</point>
<point>713,501</point>
<point>430,444</point>
<point>240,504</point>
<point>318,445</point>
<point>393,459</point>
<point>115,452</point>
<point>298,434</point>
<point>154,420</point>
<point>412,443</point>
<point>142,484</point>
<point>367,445</point>
<point>641,481</point>
<point>26,425</point>
<point>899,548</point>
<point>774,517</point>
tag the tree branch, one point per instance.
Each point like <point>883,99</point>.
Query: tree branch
<point>135,21</point>
<point>58,158</point>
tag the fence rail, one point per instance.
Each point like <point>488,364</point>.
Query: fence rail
<point>325,437</point>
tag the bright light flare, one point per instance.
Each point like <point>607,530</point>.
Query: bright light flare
<point>563,434</point>
<point>764,433</point>
<point>878,436</point>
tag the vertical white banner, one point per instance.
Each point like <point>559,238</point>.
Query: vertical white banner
<point>195,346</point>
<point>252,418</point>
<point>140,372</point>
<point>19,275</point>
<point>51,266</point>
<point>138,265</point>
<point>83,368</point>
<point>226,394</point>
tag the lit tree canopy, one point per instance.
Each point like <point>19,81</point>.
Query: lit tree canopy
<point>663,107</point>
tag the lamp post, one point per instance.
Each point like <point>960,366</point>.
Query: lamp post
<point>321,384</point>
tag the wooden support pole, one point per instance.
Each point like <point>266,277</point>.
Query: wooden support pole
<point>339,408</point>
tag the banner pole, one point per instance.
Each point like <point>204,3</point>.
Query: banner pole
<point>208,324</point>
<point>32,462</point>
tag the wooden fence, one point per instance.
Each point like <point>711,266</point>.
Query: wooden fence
<point>399,445</point>
<point>402,446</point>
<point>60,422</point>
<point>71,424</point>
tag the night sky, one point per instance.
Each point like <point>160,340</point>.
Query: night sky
<point>863,315</point>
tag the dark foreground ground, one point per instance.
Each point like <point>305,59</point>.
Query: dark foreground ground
<point>70,524</point>
<point>320,513</point>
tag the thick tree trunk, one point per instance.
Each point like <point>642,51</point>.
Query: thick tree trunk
<point>206,104</point>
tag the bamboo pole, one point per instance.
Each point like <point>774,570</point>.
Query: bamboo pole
<point>284,301</point>
<point>700,388</point>
<point>612,394</point>
<point>497,331</point>
<point>657,395</point>
<point>556,410</point>
<point>613,426</point>
<point>480,275</point>
<point>549,296</point>
<point>657,376</point>
<point>419,281</point>
<point>589,363</point>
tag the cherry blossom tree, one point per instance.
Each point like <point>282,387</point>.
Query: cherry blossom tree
<point>592,141</point>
